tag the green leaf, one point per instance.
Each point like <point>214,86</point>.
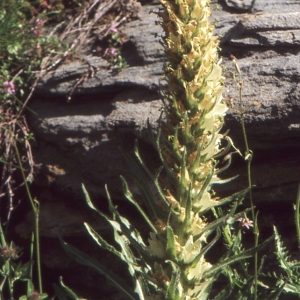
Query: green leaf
<point>245,254</point>
<point>182,184</point>
<point>292,288</point>
<point>171,251</point>
<point>224,151</point>
<point>102,243</point>
<point>141,287</point>
<point>84,259</point>
<point>129,197</point>
<point>176,153</point>
<point>173,289</point>
<point>275,295</point>
<point>154,179</point>
<point>2,237</point>
<point>222,181</point>
<point>144,188</point>
<point>225,293</point>
<point>196,162</point>
<point>60,293</point>
<point>245,291</point>
<point>282,255</point>
<point>68,291</point>
<point>90,203</point>
<point>222,221</point>
<point>205,249</point>
<point>126,256</point>
<point>25,271</point>
<point>236,197</point>
<point>187,136</point>
<point>45,296</point>
<point>188,210</point>
<point>30,287</point>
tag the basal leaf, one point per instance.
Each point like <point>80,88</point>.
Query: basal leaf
<point>84,259</point>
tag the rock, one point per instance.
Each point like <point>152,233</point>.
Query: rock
<point>241,5</point>
<point>79,139</point>
<point>61,218</point>
<point>85,147</point>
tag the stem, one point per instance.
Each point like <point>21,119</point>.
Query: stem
<point>35,208</point>
<point>297,216</point>
<point>24,177</point>
<point>248,157</point>
<point>10,286</point>
<point>38,256</point>
<point>31,264</point>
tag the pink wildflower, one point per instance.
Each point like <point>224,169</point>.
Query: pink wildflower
<point>37,31</point>
<point>39,23</point>
<point>9,86</point>
<point>38,45</point>
<point>245,223</point>
<point>113,28</point>
<point>111,51</point>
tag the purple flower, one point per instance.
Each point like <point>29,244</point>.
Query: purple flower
<point>37,31</point>
<point>113,28</point>
<point>9,86</point>
<point>245,223</point>
<point>111,51</point>
<point>39,23</point>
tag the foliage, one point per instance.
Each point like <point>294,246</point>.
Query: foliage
<point>172,264</point>
<point>23,48</point>
<point>278,284</point>
<point>13,270</point>
<point>23,44</point>
<point>28,50</point>
<point>185,217</point>
<point>290,281</point>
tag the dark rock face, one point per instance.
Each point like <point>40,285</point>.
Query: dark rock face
<point>79,140</point>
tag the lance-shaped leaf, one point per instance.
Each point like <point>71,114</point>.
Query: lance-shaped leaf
<point>148,196</point>
<point>245,254</point>
<point>122,226</point>
<point>175,289</point>
<point>171,244</point>
<point>161,197</point>
<point>129,197</point>
<point>84,259</point>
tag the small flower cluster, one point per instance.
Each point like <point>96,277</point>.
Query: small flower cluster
<point>112,53</point>
<point>113,28</point>
<point>8,252</point>
<point>39,23</point>
<point>246,224</point>
<point>9,86</point>
<point>38,27</point>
